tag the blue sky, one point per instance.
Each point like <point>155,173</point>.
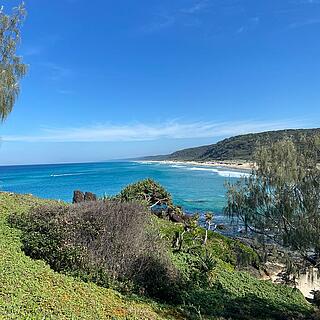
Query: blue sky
<point>116,79</point>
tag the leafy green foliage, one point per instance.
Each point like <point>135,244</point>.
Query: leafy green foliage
<point>11,67</point>
<point>281,199</point>
<point>31,290</point>
<point>215,288</point>
<point>107,242</point>
<point>209,285</point>
<point>231,251</point>
<point>239,147</point>
<point>147,191</point>
<point>152,194</point>
<point>240,296</point>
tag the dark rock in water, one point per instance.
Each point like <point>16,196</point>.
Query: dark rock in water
<point>78,196</point>
<point>89,196</point>
<point>221,227</point>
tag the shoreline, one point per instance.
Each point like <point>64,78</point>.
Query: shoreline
<point>237,165</point>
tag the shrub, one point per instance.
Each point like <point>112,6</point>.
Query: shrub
<point>104,241</point>
<point>152,194</point>
<point>147,191</point>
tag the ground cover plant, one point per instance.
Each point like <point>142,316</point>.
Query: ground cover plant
<point>108,242</point>
<point>202,280</point>
<point>30,289</point>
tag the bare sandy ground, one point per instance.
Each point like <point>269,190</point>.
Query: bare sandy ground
<point>239,165</point>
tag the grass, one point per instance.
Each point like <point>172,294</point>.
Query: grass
<point>29,289</point>
<point>226,249</point>
<point>232,293</point>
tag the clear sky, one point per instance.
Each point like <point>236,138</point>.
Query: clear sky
<point>124,78</point>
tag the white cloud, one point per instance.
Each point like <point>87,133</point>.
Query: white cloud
<point>196,7</point>
<point>251,24</point>
<point>65,91</point>
<point>163,21</point>
<point>148,132</point>
<point>308,22</point>
<point>55,72</point>
<point>185,16</point>
<point>303,2</point>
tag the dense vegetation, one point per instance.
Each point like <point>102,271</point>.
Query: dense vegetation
<point>237,148</point>
<point>168,262</point>
<point>12,69</point>
<point>151,194</point>
<point>281,199</point>
<point>108,242</point>
<point>29,289</point>
<point>113,244</point>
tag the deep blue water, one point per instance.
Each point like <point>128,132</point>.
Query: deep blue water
<point>196,189</point>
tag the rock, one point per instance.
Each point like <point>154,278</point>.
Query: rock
<point>78,196</point>
<point>175,218</point>
<point>316,297</point>
<point>89,196</point>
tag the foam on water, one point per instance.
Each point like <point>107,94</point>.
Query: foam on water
<point>233,174</point>
<point>67,174</point>
<point>195,188</point>
<point>177,166</point>
<point>202,169</point>
<point>220,172</point>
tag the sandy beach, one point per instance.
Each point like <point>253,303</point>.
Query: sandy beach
<point>238,165</point>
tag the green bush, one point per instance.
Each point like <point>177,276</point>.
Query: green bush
<point>120,244</point>
<point>31,290</point>
<point>147,191</point>
<point>152,194</point>
<point>107,242</point>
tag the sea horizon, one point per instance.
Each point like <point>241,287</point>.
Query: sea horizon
<point>64,163</point>
<point>197,189</point>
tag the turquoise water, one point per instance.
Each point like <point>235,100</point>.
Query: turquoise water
<point>195,188</point>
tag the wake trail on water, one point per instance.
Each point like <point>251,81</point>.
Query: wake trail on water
<point>67,174</point>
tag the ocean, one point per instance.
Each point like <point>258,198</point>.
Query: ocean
<point>195,188</point>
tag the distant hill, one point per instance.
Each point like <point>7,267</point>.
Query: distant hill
<point>240,147</point>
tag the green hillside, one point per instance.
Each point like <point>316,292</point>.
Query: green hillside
<point>239,147</point>
<point>30,289</point>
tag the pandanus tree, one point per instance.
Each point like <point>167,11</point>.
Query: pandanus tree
<point>280,201</point>
<point>12,69</point>
<point>208,221</point>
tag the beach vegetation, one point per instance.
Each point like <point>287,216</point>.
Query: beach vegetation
<point>152,194</point>
<point>30,289</point>
<point>280,201</point>
<point>208,222</point>
<point>238,149</point>
<point>108,242</point>
<point>147,191</point>
<point>12,68</point>
<point>199,281</point>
